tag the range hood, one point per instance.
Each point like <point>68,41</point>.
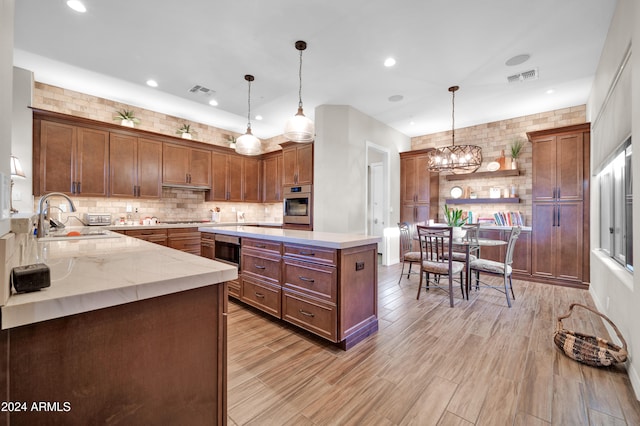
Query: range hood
<point>186,186</point>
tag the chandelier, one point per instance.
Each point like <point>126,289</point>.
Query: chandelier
<point>457,159</point>
<point>248,144</point>
<point>299,128</point>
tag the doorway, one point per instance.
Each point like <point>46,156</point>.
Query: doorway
<point>378,187</point>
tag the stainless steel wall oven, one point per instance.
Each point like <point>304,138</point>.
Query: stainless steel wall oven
<point>297,204</point>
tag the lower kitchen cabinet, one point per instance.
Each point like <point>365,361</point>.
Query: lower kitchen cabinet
<point>329,292</point>
<point>521,254</point>
<point>153,235</point>
<point>185,239</point>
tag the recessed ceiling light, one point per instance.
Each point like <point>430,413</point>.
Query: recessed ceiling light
<point>550,91</point>
<point>517,60</point>
<point>396,98</point>
<point>77,6</point>
<point>389,62</point>
<point>213,102</point>
<point>258,117</point>
<point>152,83</point>
<point>412,123</point>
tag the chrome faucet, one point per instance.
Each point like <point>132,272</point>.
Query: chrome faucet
<point>43,225</point>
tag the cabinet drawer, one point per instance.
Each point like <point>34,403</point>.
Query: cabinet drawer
<point>263,265</point>
<point>189,245</point>
<point>314,316</point>
<point>311,254</point>
<point>183,232</point>
<point>157,236</point>
<point>272,246</point>
<point>317,280</point>
<point>261,295</point>
<point>234,288</point>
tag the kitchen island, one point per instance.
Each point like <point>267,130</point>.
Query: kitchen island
<point>129,332</point>
<point>325,283</point>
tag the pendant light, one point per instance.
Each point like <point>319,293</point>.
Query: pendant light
<point>457,159</point>
<point>299,128</point>
<point>248,144</point>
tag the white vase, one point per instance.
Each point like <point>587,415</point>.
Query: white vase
<point>514,164</point>
<point>186,135</point>
<point>127,123</point>
<point>458,232</point>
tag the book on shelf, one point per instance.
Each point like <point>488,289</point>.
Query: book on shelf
<point>508,218</point>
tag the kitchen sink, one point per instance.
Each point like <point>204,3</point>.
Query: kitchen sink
<point>79,234</point>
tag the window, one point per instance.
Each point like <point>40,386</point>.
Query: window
<point>616,207</point>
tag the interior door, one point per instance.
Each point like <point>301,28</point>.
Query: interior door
<point>376,203</point>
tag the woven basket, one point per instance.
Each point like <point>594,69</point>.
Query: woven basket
<point>589,350</point>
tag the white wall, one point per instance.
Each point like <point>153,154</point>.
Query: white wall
<point>616,291</point>
<point>22,138</point>
<point>340,172</point>
<point>6,83</point>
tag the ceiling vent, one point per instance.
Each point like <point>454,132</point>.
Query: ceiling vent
<point>524,76</point>
<point>197,89</point>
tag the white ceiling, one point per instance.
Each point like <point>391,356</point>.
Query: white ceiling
<point>113,48</point>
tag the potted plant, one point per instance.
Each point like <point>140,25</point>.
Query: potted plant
<point>185,131</point>
<point>232,142</point>
<point>126,118</point>
<point>516,148</point>
<point>455,219</point>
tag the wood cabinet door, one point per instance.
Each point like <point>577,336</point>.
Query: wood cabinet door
<point>407,180</point>
<point>569,230</point>
<point>305,164</point>
<point>200,167</point>
<point>569,167</point>
<point>272,179</point>
<point>219,175</point>
<point>495,253</point>
<point>57,157</point>
<point>92,165</point>
<point>175,164</point>
<point>251,180</point>
<point>290,166</point>
<point>544,169</point>
<point>543,240</point>
<point>123,155</point>
<point>422,214</point>
<point>407,213</point>
<point>423,184</point>
<point>235,165</point>
<point>521,253</point>
<point>149,168</point>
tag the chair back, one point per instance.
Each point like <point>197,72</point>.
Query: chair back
<point>513,237</point>
<point>435,243</point>
<point>405,238</point>
<point>472,235</point>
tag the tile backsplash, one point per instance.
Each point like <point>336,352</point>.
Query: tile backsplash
<point>175,204</point>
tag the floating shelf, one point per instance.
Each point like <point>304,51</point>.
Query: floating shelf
<point>482,200</point>
<point>479,175</point>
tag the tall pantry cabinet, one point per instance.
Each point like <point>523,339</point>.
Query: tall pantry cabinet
<point>418,188</point>
<point>560,205</point>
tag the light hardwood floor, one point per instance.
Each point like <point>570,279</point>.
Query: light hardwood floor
<point>479,363</point>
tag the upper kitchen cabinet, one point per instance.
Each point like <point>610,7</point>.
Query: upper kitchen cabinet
<point>135,167</point>
<point>272,169</point>
<point>70,159</point>
<point>184,166</point>
<point>234,178</point>
<point>559,162</point>
<point>297,163</point>
<point>418,188</point>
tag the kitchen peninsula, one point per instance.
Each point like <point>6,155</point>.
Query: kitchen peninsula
<point>325,283</point>
<point>129,332</point>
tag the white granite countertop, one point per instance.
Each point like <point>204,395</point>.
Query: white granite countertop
<point>314,238</point>
<point>103,271</point>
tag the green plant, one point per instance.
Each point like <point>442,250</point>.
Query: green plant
<point>126,115</point>
<point>186,128</point>
<point>516,147</point>
<point>453,217</point>
<point>231,140</point>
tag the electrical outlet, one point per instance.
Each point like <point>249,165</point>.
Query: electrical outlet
<point>129,208</point>
<point>233,209</point>
<point>62,207</point>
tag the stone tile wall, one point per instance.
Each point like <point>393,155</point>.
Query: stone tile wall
<point>493,138</point>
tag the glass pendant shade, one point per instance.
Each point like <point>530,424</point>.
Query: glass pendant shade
<point>457,159</point>
<point>299,128</point>
<point>248,144</point>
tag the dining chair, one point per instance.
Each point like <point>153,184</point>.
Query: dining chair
<point>434,243</point>
<point>407,254</point>
<point>502,269</point>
